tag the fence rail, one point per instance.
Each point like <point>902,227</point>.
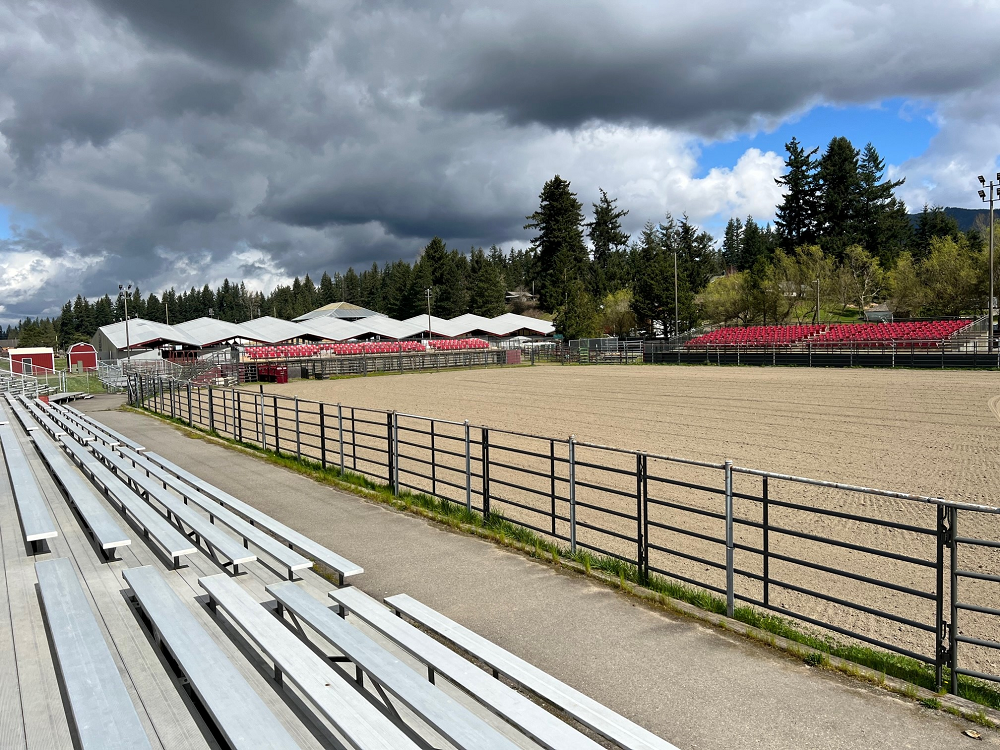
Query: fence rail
<point>880,567</point>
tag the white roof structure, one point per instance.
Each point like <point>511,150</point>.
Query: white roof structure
<point>267,330</point>
<point>342,310</point>
<point>439,326</point>
<point>142,332</point>
<point>334,329</point>
<point>391,328</point>
<point>270,330</point>
<point>508,323</point>
<point>208,331</point>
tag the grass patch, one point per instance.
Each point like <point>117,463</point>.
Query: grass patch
<point>626,576</point>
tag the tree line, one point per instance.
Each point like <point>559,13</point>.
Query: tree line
<point>841,238</point>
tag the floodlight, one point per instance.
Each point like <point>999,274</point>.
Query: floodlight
<point>982,194</point>
<point>998,176</point>
<point>982,180</point>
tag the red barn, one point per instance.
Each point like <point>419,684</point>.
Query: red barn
<point>27,360</point>
<point>82,354</point>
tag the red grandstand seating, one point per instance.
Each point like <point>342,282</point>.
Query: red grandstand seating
<point>925,334</point>
<point>293,351</point>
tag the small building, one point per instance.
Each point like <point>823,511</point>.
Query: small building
<point>81,357</point>
<point>29,359</point>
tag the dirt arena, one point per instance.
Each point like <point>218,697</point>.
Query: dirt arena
<point>931,433</point>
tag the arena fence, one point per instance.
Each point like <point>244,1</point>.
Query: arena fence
<point>887,569</point>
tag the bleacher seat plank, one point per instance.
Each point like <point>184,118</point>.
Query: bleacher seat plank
<point>586,710</point>
<point>213,536</point>
<point>238,711</point>
<point>80,429</point>
<point>300,542</point>
<point>37,704</point>
<point>175,544</point>
<point>543,727</point>
<point>114,434</point>
<point>80,493</point>
<point>361,724</point>
<point>43,419</point>
<point>36,521</point>
<point>451,720</point>
<point>23,417</point>
<point>103,713</point>
<point>289,558</point>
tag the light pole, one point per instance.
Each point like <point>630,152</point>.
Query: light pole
<point>677,317</point>
<point>427,294</point>
<point>816,316</point>
<point>124,292</point>
<point>993,192</point>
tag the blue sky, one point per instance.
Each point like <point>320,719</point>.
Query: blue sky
<point>899,129</point>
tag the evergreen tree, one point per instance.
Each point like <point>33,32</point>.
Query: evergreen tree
<point>577,317</point>
<point>654,289</point>
<point>326,291</point>
<point>797,215</point>
<point>487,295</point>
<point>840,197</point>
<point>732,244</point>
<point>607,237</point>
<point>932,223</point>
<point>559,251</point>
<point>884,225</point>
<point>754,246</point>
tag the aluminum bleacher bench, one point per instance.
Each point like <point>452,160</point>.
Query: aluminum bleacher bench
<point>543,727</point>
<point>23,417</point>
<point>175,544</point>
<point>84,432</point>
<point>36,521</point>
<point>102,712</point>
<point>214,537</point>
<point>103,527</point>
<point>42,418</point>
<point>451,720</point>
<point>238,712</point>
<point>289,558</point>
<point>291,537</point>
<point>590,713</point>
<point>358,720</point>
<point>113,434</point>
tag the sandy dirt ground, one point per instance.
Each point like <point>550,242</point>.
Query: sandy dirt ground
<point>931,433</point>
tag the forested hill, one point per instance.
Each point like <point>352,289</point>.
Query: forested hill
<point>965,217</point>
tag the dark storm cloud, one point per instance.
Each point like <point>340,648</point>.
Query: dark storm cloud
<point>251,34</point>
<point>179,142</point>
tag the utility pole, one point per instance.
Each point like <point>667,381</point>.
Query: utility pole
<point>427,294</point>
<point>994,191</point>
<point>166,306</point>
<point>816,316</point>
<point>677,317</point>
<point>124,292</point>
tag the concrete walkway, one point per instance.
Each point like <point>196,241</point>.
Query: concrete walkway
<point>695,686</point>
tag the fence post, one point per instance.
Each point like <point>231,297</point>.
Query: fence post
<point>277,440</point>
<point>552,482</point>
<point>322,437</point>
<point>765,522</point>
<point>486,472</point>
<point>340,435</point>
<point>433,463</point>
<point>645,517</point>
<point>211,411</point>
<point>395,451</point>
<point>468,469</point>
<point>941,649</point>
<point>572,494</point>
<point>953,628</point>
<point>238,416</point>
<point>730,593</point>
<point>190,415</point>
<point>390,449</point>
<point>298,433</point>
<point>638,514</point>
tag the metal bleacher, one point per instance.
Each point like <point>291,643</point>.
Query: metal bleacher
<point>121,631</point>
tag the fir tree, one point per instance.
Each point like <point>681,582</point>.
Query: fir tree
<point>840,199</point>
<point>607,237</point>
<point>796,217</point>
<point>560,255</point>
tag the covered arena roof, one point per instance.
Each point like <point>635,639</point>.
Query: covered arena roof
<point>203,332</point>
<point>341,310</point>
<point>208,331</point>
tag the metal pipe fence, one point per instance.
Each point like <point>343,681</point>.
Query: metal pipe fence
<point>881,568</point>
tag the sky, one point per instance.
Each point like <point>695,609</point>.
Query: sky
<point>178,143</point>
